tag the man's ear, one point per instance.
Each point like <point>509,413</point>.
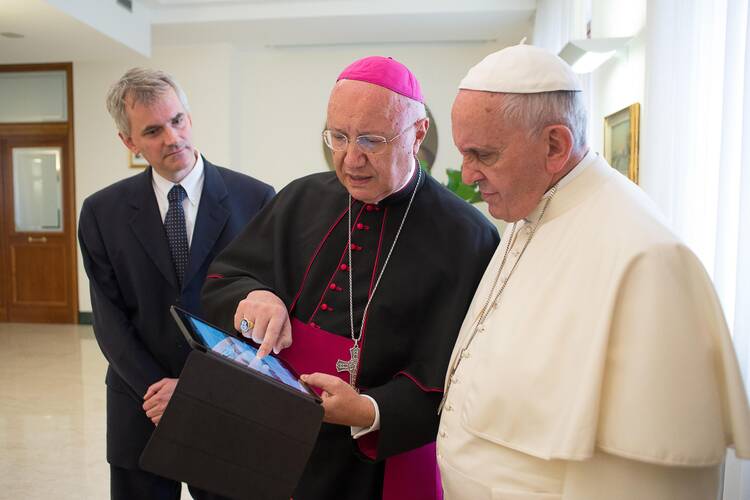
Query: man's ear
<point>559,147</point>
<point>128,141</point>
<point>421,133</point>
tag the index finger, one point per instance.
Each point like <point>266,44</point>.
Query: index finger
<point>273,330</point>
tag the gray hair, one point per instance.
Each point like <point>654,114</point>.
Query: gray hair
<point>143,86</point>
<point>416,110</point>
<point>536,111</point>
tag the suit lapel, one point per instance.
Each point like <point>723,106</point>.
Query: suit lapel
<point>210,221</point>
<point>148,228</point>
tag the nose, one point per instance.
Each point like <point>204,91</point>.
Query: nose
<point>171,136</point>
<point>470,175</point>
<point>353,156</point>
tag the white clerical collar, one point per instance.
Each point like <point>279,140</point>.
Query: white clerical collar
<point>191,183</point>
<point>587,160</point>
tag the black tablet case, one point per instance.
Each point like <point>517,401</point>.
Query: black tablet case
<point>230,432</point>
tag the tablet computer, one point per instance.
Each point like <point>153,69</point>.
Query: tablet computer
<point>206,337</point>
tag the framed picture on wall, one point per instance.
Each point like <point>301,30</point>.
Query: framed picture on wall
<point>137,161</point>
<point>621,140</point>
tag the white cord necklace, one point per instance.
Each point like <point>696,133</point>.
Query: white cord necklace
<point>492,297</point>
<point>351,365</point>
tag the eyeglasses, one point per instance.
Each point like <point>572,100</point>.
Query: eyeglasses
<point>368,144</point>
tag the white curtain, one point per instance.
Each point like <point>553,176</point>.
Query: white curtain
<point>695,156</point>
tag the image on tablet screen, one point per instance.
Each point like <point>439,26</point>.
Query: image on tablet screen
<point>227,346</point>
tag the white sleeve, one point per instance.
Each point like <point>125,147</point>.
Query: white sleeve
<point>358,432</point>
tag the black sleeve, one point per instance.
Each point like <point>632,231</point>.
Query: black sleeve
<point>116,335</point>
<point>408,417</point>
<point>245,265</point>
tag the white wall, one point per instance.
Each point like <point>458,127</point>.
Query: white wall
<point>258,111</point>
<point>620,82</point>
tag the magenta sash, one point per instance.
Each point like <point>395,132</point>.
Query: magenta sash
<point>411,475</point>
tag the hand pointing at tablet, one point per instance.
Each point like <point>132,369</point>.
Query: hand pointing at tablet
<point>269,319</point>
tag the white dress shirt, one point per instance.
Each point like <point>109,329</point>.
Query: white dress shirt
<point>193,185</point>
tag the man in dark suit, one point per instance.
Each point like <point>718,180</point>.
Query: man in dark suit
<point>146,243</point>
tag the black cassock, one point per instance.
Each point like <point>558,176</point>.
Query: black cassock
<point>297,248</point>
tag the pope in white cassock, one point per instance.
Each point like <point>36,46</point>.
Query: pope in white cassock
<point>594,362</point>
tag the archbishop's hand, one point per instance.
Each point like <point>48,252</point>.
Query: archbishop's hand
<point>342,404</point>
<point>157,398</point>
<point>269,321</point>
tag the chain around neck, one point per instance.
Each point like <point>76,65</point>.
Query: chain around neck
<point>356,338</point>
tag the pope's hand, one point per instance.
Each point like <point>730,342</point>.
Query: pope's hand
<point>269,320</point>
<point>342,404</point>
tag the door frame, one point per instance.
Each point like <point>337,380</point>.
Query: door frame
<point>66,132</point>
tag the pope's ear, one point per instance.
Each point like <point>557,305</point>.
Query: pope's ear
<point>559,146</point>
<point>128,141</point>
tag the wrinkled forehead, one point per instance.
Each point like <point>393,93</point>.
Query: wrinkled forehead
<point>150,98</point>
<point>361,105</point>
<point>477,120</point>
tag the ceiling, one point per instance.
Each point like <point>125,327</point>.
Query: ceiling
<point>51,35</point>
<point>79,30</point>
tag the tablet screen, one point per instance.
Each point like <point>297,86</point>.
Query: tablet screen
<point>243,353</point>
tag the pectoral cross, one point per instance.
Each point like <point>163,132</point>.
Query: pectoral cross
<point>351,365</point>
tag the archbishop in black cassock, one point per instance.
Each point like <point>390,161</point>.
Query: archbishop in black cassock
<point>298,249</point>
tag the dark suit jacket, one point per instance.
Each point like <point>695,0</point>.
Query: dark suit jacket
<point>133,283</point>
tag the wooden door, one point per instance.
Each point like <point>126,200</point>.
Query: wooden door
<point>38,225</point>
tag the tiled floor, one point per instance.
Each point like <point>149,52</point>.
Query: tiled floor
<point>52,414</point>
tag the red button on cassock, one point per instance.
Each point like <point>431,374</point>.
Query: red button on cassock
<point>360,226</point>
<point>324,307</point>
<point>369,208</point>
<point>332,286</point>
<point>343,267</point>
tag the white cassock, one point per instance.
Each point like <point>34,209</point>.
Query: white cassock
<point>606,371</point>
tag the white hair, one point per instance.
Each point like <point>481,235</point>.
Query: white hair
<point>539,110</point>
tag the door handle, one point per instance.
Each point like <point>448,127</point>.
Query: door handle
<point>42,239</point>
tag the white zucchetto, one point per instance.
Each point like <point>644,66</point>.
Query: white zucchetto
<point>521,69</point>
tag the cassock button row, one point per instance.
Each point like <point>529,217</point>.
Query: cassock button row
<point>326,307</point>
<point>343,267</point>
<point>370,208</point>
<point>361,226</point>
<point>356,247</point>
<point>334,287</point>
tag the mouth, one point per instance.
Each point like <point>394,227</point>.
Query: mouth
<point>175,152</point>
<point>358,179</point>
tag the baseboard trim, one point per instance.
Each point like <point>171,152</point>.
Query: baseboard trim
<point>85,318</point>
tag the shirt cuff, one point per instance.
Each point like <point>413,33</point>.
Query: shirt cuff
<point>358,432</point>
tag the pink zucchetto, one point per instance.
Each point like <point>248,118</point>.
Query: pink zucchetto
<point>384,72</point>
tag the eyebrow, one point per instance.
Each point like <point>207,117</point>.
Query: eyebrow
<point>336,129</point>
<point>149,128</point>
